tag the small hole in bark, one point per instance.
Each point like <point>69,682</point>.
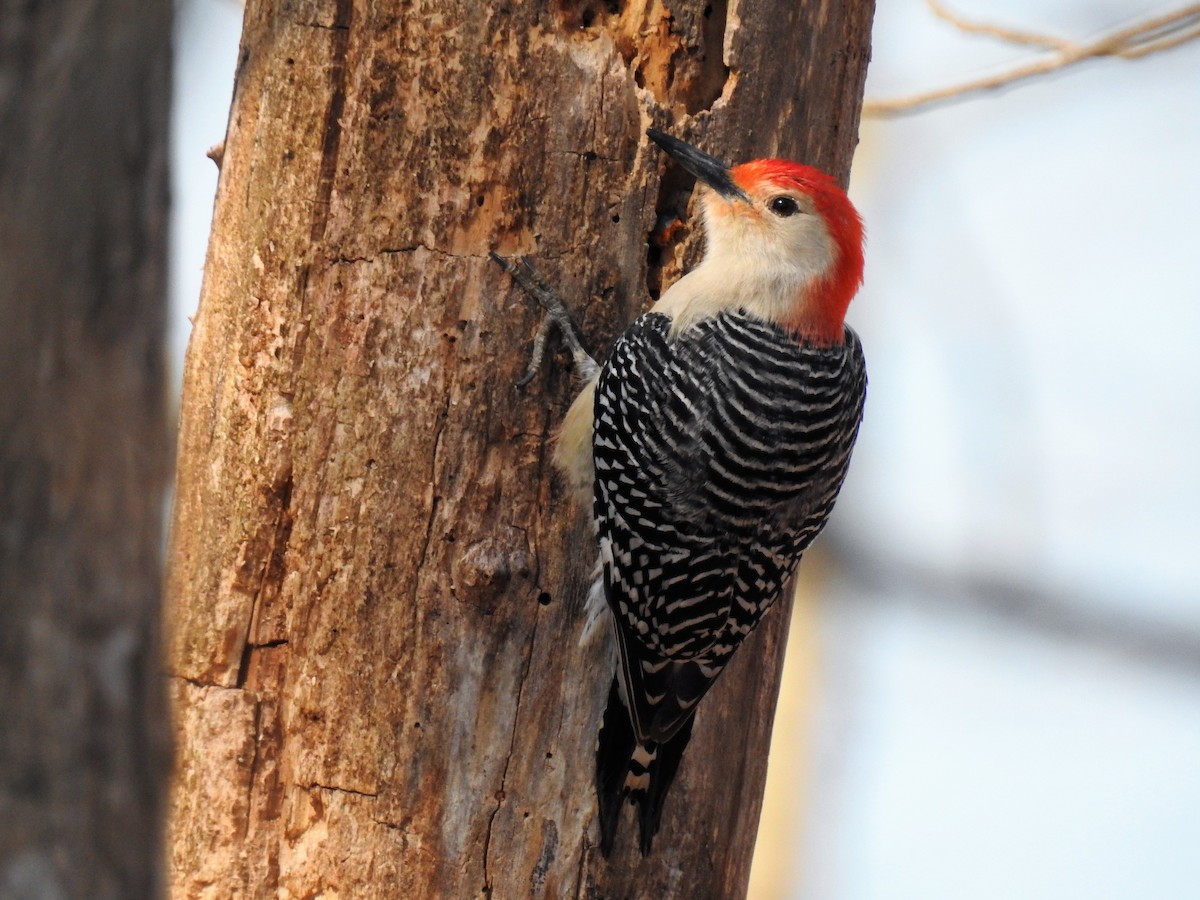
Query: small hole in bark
<point>708,11</point>
<point>544,598</point>
<point>590,156</point>
<point>587,17</point>
<point>616,218</point>
<point>549,755</point>
<point>479,201</point>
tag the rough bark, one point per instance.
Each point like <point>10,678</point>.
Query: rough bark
<point>84,89</point>
<point>376,586</point>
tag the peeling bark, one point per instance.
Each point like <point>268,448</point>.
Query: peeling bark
<point>376,587</point>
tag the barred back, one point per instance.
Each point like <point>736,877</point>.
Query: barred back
<point>718,453</point>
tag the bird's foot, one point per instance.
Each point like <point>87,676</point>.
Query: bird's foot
<point>532,282</point>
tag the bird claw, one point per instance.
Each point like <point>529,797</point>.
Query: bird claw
<point>557,314</point>
<point>538,352</point>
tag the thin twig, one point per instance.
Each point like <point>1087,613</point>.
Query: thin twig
<point>1138,39</point>
<point>1006,34</point>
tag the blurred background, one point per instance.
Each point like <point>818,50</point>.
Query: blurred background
<point>993,683</point>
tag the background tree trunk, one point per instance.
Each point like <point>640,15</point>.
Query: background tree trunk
<point>84,91</point>
<point>376,581</point>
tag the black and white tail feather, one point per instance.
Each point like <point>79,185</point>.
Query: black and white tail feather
<point>628,768</point>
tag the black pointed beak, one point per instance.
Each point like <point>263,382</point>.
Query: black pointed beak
<point>706,168</point>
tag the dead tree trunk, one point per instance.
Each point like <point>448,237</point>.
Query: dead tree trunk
<point>84,90</point>
<point>376,586</point>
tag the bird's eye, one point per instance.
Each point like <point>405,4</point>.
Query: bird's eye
<point>784,207</point>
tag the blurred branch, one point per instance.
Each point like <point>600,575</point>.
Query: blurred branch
<point>1141,38</point>
<point>1158,641</point>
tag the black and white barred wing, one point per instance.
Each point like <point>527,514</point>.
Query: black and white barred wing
<point>665,577</point>
<point>718,455</point>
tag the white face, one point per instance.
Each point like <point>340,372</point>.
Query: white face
<point>777,237</point>
<point>768,254</point>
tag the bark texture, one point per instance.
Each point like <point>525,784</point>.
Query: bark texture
<point>84,89</point>
<point>376,585</point>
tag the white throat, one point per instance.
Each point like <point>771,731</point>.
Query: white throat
<point>743,269</point>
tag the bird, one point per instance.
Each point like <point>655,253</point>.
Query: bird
<point>712,442</point>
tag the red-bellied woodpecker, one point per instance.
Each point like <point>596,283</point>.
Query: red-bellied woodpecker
<point>713,442</point>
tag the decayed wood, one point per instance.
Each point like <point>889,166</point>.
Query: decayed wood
<point>375,584</point>
<point>84,89</point>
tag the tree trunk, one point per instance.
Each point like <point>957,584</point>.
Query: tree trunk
<point>376,582</point>
<point>84,90</point>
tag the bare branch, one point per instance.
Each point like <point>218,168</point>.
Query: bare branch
<point>1141,38</point>
<point>1008,35</point>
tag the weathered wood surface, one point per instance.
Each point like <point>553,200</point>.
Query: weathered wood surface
<point>84,92</point>
<point>375,583</point>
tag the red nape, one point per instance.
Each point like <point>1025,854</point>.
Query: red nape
<point>825,314</point>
